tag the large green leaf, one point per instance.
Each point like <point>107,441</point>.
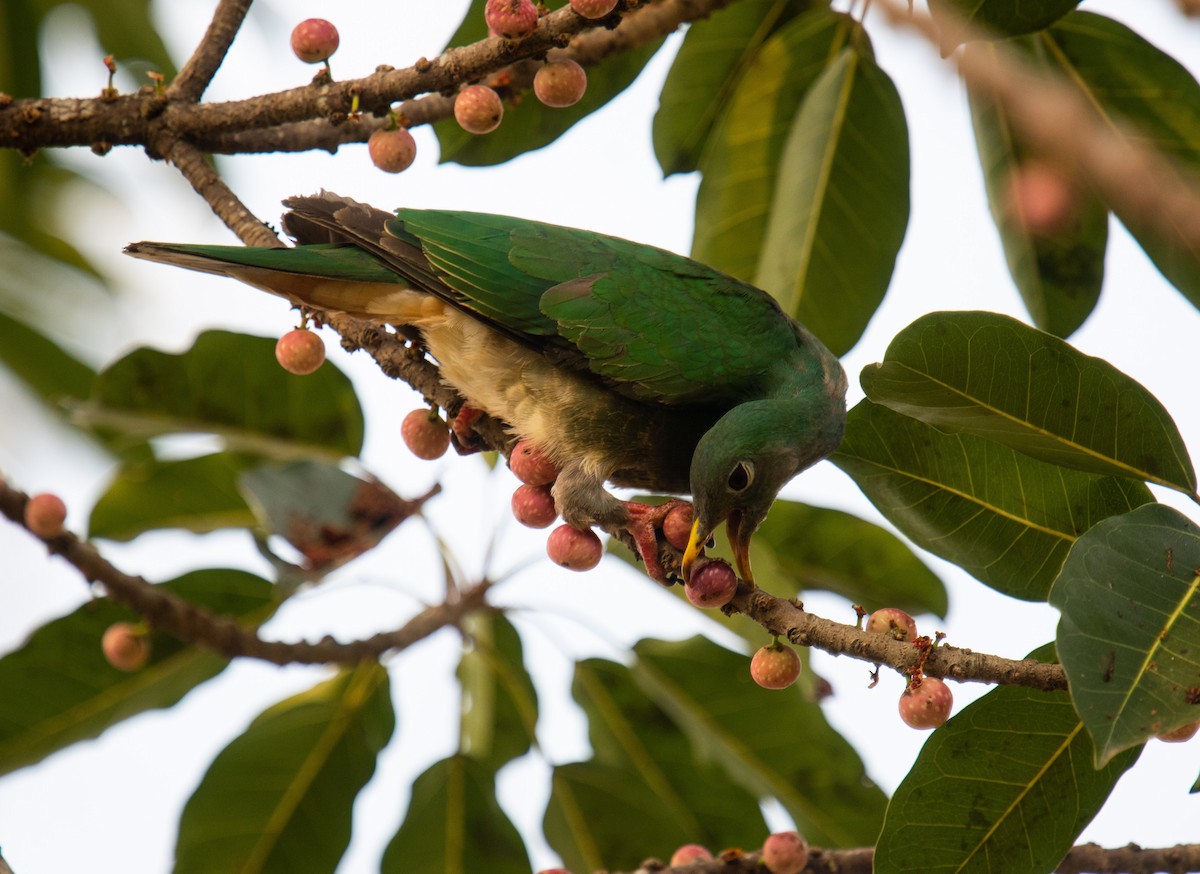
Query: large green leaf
<point>455,826</point>
<point>1058,275</point>
<point>43,365</point>
<point>1129,634</point>
<point>1005,785</point>
<point>753,732</point>
<point>715,55</point>
<point>1002,516</point>
<point>840,207</point>
<point>999,17</point>
<point>529,125</point>
<point>820,548</point>
<point>1128,80</point>
<point>990,375</point>
<point>279,797</point>
<point>197,494</point>
<point>229,385</point>
<point>740,162</point>
<point>645,792</point>
<point>59,689</point>
<point>500,710</point>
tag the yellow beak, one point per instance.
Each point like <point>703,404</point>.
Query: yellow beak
<point>695,549</point>
<point>741,549</point>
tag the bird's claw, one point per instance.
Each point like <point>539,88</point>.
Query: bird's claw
<point>462,429</point>
<point>643,524</point>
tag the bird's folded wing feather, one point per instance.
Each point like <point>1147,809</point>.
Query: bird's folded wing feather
<point>654,325</point>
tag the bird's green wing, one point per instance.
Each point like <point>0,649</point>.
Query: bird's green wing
<point>469,252</point>
<point>653,324</point>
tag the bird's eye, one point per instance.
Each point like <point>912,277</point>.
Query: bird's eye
<point>741,476</point>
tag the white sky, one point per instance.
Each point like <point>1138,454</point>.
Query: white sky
<point>112,805</point>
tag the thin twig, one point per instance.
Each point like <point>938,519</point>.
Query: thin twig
<point>221,634</point>
<point>228,207</point>
<point>189,85</point>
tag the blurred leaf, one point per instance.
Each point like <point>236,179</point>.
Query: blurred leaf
<point>58,688</point>
<point>1129,634</point>
<point>644,792</point>
<point>1130,82</point>
<point>126,30</point>
<point>41,363</point>
<point>278,798</point>
<point>197,494</point>
<point>454,825</point>
<point>820,548</point>
<point>753,733</point>
<point>529,124</point>
<point>1009,778</point>
<point>20,69</point>
<point>1059,276</point>
<point>990,375</point>
<point>328,515</point>
<point>841,202</point>
<point>999,18</point>
<point>499,702</point>
<point>740,161</point>
<point>229,385</point>
<point>1003,517</point>
<point>715,55</point>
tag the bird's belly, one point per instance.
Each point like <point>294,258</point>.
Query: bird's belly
<point>569,415</point>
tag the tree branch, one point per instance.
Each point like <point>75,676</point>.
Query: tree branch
<point>1144,186</point>
<point>1083,859</point>
<point>222,634</point>
<point>788,619</point>
<point>139,119</point>
<point>228,207</point>
<point>189,85</point>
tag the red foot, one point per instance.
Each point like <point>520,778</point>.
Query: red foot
<point>643,525</point>
<point>466,441</point>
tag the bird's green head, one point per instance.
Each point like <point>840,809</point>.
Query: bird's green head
<point>745,459</point>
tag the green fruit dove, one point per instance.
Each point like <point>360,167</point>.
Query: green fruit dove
<point>620,362</point>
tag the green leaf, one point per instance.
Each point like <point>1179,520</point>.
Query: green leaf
<point>645,792</point>
<point>41,363</point>
<point>279,797</point>
<point>454,825</point>
<point>59,689</point>
<point>1129,634</point>
<point>820,548</point>
<point>197,494</point>
<point>714,57</point>
<point>530,125</point>
<point>1004,517</point>
<point>841,202</point>
<point>500,712</point>
<point>329,515</point>
<point>740,161</point>
<point>1009,778</point>
<point>1059,276</point>
<point>1132,83</point>
<point>229,385</point>
<point>993,376</point>
<point>752,732</point>
<point>1000,18</point>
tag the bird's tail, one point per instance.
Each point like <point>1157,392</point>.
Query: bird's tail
<point>335,267</point>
